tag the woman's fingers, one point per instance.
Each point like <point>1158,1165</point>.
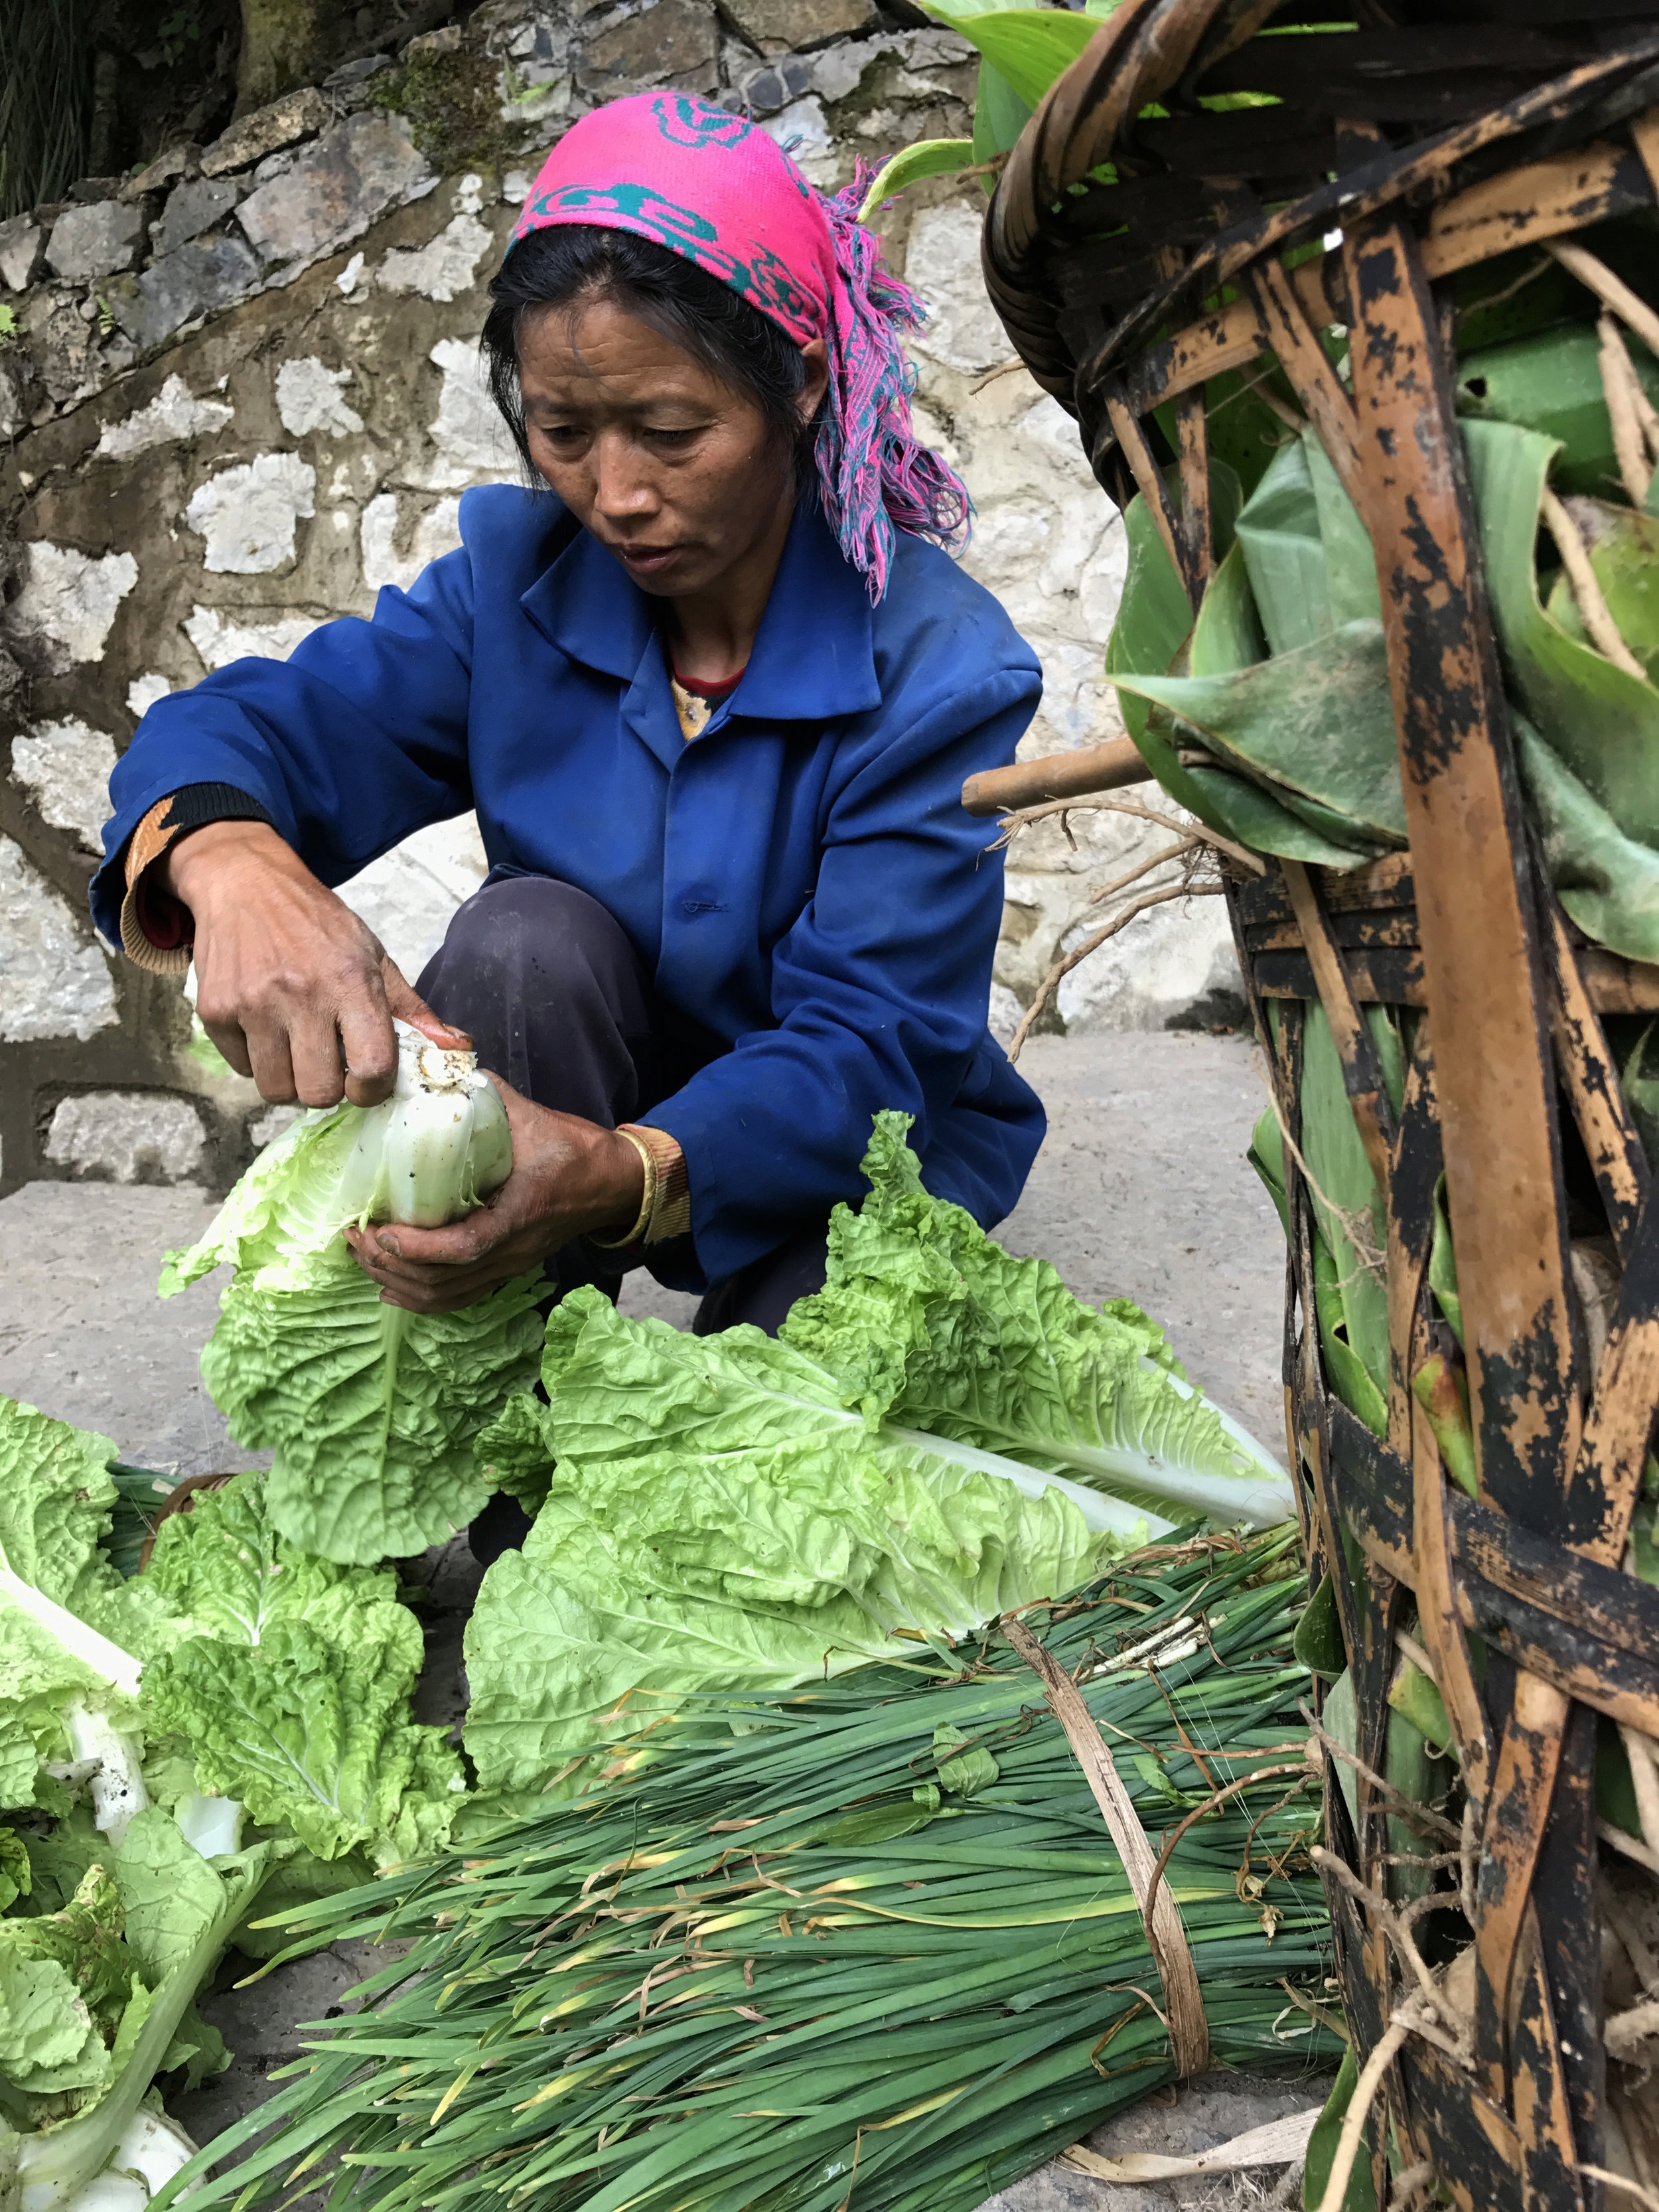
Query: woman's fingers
<point>230,1039</point>
<point>408,1005</point>
<point>427,1285</point>
<point>367,1040</point>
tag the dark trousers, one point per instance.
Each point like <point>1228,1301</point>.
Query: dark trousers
<point>559,1005</point>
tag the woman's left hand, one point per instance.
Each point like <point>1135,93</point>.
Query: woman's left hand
<point>568,1176</point>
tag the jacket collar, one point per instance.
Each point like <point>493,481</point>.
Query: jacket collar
<point>814,657</point>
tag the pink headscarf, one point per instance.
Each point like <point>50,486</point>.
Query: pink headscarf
<point>718,189</point>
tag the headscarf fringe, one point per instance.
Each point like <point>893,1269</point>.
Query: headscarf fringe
<point>873,472</point>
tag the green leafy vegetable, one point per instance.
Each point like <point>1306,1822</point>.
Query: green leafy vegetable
<point>294,1694</point>
<point>932,1327</point>
<point>371,1412</point>
<point>869,1931</point>
<point>76,1994</point>
<point>717,1517</point>
<point>943,1433</point>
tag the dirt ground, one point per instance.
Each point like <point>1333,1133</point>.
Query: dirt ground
<point>1142,1190</point>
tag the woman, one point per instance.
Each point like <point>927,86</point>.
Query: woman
<point>713,692</point>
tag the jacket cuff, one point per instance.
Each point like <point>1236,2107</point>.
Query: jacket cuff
<point>158,931</point>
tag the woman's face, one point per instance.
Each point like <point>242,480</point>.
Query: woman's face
<point>675,472</point>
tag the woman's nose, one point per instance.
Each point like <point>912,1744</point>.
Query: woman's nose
<point>622,485</point>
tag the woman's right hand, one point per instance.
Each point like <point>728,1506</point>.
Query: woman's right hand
<point>291,985</point>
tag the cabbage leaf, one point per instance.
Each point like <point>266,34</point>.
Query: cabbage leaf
<point>718,1517</point>
<point>371,1412</point>
<point>934,1327</point>
<point>942,1435</point>
<point>294,1694</point>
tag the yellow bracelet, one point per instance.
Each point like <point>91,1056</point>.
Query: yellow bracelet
<point>648,1204</point>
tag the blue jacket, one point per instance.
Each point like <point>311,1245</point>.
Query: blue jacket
<point>801,879</point>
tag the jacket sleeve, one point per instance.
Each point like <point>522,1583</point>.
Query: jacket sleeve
<point>880,989</point>
<point>356,740</point>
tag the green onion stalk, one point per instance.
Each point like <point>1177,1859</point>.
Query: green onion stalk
<point>865,1944</point>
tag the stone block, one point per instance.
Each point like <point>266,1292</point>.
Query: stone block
<point>776,26</point>
<point>191,210</point>
<point>22,242</point>
<point>248,514</point>
<point>676,40</point>
<point>127,1136</point>
<point>471,438</point>
<point>803,129</point>
<point>183,159</point>
<point>15,408</point>
<point>942,262</point>
<point>396,549</point>
<point>174,413</point>
<point>67,604</point>
<point>90,242</point>
<point>308,399</point>
<point>774,87</point>
<point>63,343</point>
<point>197,279</point>
<point>296,115</point>
<point>220,640</point>
<point>443,270</point>
<point>65,767</point>
<point>54,981</point>
<point>335,189</point>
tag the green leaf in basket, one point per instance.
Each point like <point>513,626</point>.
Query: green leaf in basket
<point>1241,427</point>
<point>1278,529</point>
<point>1318,1640</point>
<point>1608,882</point>
<point>1350,557</point>
<point>1028,47</point>
<point>1267,1156</point>
<point>1352,1296</point>
<point>1552,384</point>
<point>1315,724</point>
<point>1601,721</point>
<point>1227,635</point>
<point>928,157</point>
<point>1443,1265</point>
<point>1152,633</point>
<point>1623,551</point>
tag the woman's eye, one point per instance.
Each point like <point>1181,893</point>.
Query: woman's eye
<point>674,437</point>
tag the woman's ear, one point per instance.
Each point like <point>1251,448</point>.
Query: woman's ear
<point>816,355</point>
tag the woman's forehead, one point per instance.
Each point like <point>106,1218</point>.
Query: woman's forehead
<point>597,347</point>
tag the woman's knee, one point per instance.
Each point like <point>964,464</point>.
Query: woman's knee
<point>528,929</point>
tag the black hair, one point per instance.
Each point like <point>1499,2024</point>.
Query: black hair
<point>571,262</point>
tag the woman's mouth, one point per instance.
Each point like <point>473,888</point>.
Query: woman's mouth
<point>647,560</point>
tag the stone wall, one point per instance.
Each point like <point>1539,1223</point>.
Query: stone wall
<point>241,394</point>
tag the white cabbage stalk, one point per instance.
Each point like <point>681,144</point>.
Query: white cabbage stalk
<point>211,1826</point>
<point>101,1753</point>
<point>437,1147</point>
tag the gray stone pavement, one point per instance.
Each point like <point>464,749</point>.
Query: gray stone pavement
<point>1141,1190</point>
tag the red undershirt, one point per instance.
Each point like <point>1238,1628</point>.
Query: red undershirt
<point>712,688</point>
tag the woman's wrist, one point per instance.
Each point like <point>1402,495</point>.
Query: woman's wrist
<point>190,864</point>
<point>630,1174</point>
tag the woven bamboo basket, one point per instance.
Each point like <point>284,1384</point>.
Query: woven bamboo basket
<point>1403,152</point>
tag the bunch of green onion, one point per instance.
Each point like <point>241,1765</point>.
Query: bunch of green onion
<point>865,1944</point>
